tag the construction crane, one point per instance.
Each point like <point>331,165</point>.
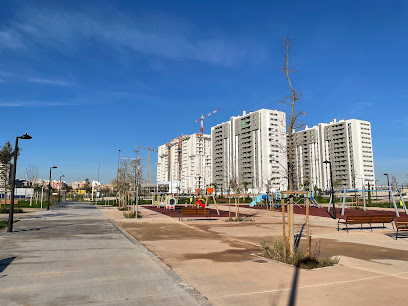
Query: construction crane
<point>202,119</point>
<point>148,162</point>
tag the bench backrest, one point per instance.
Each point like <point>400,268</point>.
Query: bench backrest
<point>382,219</point>
<point>359,218</point>
<point>195,211</point>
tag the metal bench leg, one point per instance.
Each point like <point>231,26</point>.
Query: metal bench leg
<point>338,225</point>
<point>392,226</point>
<point>371,227</point>
<point>347,227</point>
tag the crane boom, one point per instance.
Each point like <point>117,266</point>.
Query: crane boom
<point>202,119</point>
<point>148,162</point>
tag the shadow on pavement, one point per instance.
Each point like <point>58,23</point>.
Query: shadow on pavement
<point>5,262</point>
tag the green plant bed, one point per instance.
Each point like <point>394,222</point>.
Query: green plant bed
<point>6,210</point>
<point>26,204</point>
<point>240,219</point>
<point>131,214</point>
<point>299,259</point>
<point>4,223</point>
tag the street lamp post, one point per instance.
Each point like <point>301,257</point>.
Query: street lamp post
<point>389,191</point>
<point>59,189</point>
<point>49,188</point>
<point>13,183</point>
<point>117,181</point>
<point>376,190</point>
<point>97,188</point>
<point>332,188</point>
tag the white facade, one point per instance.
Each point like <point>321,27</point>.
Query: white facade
<point>347,144</point>
<point>251,149</point>
<point>186,159</point>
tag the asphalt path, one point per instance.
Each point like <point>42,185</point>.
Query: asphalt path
<point>73,255</point>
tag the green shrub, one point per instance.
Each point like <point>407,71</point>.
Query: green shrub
<point>131,214</point>
<point>299,259</point>
<point>6,210</point>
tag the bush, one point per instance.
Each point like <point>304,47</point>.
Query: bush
<point>131,214</point>
<point>6,210</point>
<point>299,259</point>
<point>240,219</point>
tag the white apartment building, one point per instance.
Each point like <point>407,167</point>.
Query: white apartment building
<point>186,159</point>
<point>347,144</point>
<point>251,149</point>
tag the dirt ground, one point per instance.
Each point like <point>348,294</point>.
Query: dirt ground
<point>220,260</point>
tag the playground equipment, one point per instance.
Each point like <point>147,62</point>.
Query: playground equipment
<point>171,203</point>
<point>312,200</point>
<point>164,200</point>
<point>363,191</point>
<point>201,203</point>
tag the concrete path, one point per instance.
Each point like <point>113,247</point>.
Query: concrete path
<point>74,255</point>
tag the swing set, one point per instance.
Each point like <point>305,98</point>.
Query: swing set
<point>363,191</point>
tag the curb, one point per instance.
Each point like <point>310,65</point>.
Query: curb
<point>194,293</point>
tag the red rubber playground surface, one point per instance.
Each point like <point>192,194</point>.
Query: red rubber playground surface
<point>177,212</point>
<point>322,212</point>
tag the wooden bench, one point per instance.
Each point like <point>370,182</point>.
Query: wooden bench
<point>365,220</point>
<point>194,212</point>
<point>382,219</point>
<point>221,200</point>
<point>401,226</point>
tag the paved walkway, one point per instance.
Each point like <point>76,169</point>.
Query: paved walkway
<point>74,255</point>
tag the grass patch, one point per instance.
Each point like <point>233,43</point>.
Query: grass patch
<point>131,214</point>
<point>6,210</point>
<point>4,223</point>
<point>240,219</point>
<point>299,259</point>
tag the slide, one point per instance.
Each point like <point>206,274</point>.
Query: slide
<point>253,203</point>
<point>200,203</point>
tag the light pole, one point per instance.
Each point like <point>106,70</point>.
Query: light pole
<point>49,188</point>
<point>178,171</point>
<point>117,181</point>
<point>13,183</point>
<point>376,190</point>
<point>59,189</point>
<point>389,190</point>
<point>97,188</point>
<point>332,189</point>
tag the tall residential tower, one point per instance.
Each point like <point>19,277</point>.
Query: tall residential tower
<point>186,159</point>
<point>251,149</point>
<point>347,144</point>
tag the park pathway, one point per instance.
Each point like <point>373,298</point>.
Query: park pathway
<point>72,255</point>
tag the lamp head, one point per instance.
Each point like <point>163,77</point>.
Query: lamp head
<point>54,167</point>
<point>326,162</point>
<point>25,136</point>
<point>385,173</point>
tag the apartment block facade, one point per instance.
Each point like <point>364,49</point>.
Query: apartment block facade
<point>251,149</point>
<point>347,144</point>
<point>186,159</point>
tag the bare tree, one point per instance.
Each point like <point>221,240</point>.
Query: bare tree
<point>292,99</point>
<point>31,175</point>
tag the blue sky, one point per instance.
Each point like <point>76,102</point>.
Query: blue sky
<point>86,78</point>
